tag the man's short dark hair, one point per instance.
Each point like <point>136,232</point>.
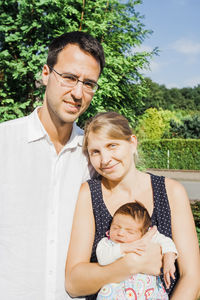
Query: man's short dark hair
<point>85,41</point>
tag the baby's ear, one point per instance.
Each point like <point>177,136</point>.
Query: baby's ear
<point>108,233</point>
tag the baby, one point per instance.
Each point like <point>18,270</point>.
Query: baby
<point>130,222</point>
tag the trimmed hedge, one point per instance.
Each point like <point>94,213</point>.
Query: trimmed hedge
<point>183,154</point>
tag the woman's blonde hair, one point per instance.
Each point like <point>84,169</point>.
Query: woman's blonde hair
<point>111,124</point>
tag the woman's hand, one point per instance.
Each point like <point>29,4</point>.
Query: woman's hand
<point>140,245</point>
<point>149,260</point>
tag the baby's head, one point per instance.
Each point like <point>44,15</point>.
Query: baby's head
<point>130,222</point>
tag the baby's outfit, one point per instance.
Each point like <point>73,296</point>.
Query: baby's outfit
<point>137,286</point>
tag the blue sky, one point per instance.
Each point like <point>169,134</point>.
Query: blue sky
<point>176,32</point>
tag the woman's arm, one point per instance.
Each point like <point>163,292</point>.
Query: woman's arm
<point>83,277</point>
<point>185,238</point>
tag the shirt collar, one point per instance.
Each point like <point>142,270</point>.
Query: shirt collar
<point>36,131</point>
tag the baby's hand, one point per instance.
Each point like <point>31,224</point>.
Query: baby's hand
<point>168,267</point>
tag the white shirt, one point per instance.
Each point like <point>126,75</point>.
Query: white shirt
<point>108,251</point>
<point>38,191</point>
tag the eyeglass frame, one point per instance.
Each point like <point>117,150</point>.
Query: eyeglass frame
<point>96,85</point>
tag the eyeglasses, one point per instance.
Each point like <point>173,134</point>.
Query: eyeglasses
<point>70,80</point>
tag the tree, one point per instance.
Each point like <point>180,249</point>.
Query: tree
<point>155,95</point>
<point>158,96</point>
<point>27,26</point>
<point>155,123</point>
<point>189,128</point>
<point>151,125</point>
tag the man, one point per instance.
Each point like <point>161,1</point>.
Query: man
<point>42,168</point>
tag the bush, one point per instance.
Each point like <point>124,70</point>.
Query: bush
<point>189,128</point>
<point>150,125</point>
<point>183,154</point>
<point>155,123</point>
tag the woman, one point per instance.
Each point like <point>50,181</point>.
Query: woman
<point>111,147</point>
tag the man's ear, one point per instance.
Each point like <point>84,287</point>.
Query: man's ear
<point>45,74</point>
<point>134,142</point>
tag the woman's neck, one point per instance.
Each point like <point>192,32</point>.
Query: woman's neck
<point>126,184</point>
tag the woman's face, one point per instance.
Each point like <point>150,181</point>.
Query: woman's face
<point>124,229</point>
<point>111,158</point>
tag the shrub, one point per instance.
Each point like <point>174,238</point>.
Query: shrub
<point>189,128</point>
<point>183,153</point>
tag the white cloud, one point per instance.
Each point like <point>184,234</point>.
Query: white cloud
<point>192,81</point>
<point>186,46</point>
<point>171,85</point>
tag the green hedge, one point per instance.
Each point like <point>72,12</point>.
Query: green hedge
<point>183,154</point>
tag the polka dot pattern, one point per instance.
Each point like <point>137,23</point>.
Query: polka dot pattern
<point>161,216</point>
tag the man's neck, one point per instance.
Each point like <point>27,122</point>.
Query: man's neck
<point>58,132</point>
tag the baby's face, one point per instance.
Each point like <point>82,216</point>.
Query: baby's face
<point>124,229</point>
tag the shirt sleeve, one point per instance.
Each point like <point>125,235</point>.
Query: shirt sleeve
<point>107,251</point>
<point>167,245</point>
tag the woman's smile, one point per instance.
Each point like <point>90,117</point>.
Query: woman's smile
<point>109,168</point>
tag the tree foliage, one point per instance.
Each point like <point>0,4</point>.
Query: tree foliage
<point>159,96</point>
<point>161,124</point>
<point>154,123</point>
<point>27,27</point>
<point>188,128</point>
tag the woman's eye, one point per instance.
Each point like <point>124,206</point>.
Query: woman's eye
<point>94,152</point>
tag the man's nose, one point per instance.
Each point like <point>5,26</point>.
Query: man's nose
<point>77,91</point>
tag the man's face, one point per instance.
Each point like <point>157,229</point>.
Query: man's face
<point>66,104</point>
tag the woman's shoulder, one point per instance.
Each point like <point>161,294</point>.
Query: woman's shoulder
<point>171,184</point>
<point>94,182</point>
<point>174,186</point>
<point>176,192</point>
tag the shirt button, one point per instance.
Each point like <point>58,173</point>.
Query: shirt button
<point>52,242</point>
<point>50,272</point>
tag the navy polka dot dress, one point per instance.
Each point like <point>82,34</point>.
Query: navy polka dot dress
<point>161,216</point>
